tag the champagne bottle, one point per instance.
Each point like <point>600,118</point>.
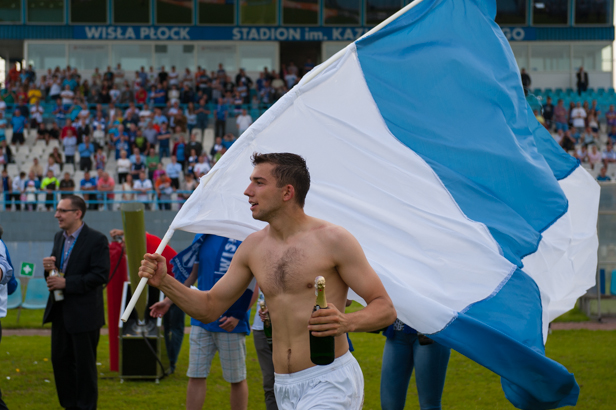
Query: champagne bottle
<point>322,349</point>
<point>58,295</point>
<point>267,323</point>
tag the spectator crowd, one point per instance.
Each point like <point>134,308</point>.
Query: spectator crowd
<point>143,134</point>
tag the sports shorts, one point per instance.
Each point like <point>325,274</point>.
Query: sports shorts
<point>230,346</point>
<point>336,386</point>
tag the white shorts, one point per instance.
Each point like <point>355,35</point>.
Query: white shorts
<point>338,386</point>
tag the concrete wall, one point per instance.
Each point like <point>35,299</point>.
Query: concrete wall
<point>29,235</point>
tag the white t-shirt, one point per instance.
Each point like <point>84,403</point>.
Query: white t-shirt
<point>67,97</point>
<point>2,106</point>
<point>202,168</point>
<point>37,113</point>
<point>55,89</point>
<point>124,165</point>
<point>243,122</point>
<point>139,184</point>
<point>578,115</point>
<point>114,94</point>
<point>173,78</point>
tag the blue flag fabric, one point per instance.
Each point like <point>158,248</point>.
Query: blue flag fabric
<point>183,262</point>
<point>420,142</point>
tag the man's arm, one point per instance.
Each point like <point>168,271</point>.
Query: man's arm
<point>356,272</point>
<point>205,306</point>
<point>6,271</point>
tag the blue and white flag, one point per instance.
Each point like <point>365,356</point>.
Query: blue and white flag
<point>420,142</point>
<point>183,262</point>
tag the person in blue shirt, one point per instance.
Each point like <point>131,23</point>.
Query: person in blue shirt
<point>59,112</point>
<point>164,140</point>
<point>70,82</point>
<point>221,114</point>
<point>211,256</point>
<point>89,184</point>
<point>19,124</point>
<point>121,145</point>
<point>174,169</point>
<point>6,277</point>
<point>603,175</point>
<point>86,150</point>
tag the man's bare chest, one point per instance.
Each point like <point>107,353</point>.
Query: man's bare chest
<point>291,269</point>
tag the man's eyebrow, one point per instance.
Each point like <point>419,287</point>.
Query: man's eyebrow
<point>256,178</point>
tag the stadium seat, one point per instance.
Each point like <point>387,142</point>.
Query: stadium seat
<point>600,90</point>
<point>198,133</point>
<point>70,168</point>
<point>14,300</point>
<point>36,294</point>
<point>610,91</point>
<point>613,283</point>
<point>208,139</point>
<point>13,170</point>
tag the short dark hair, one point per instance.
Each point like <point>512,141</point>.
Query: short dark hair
<point>289,169</point>
<point>77,202</point>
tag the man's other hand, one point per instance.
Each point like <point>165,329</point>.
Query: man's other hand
<point>328,322</point>
<point>159,309</point>
<point>56,283</point>
<point>153,267</point>
<point>263,314</point>
<point>228,323</point>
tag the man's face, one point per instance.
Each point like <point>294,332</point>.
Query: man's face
<point>264,197</point>
<point>67,218</point>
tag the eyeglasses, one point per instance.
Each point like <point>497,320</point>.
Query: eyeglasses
<point>63,211</point>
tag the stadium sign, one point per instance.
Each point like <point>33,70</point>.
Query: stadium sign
<point>242,33</point>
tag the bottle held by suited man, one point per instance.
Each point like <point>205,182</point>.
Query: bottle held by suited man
<point>322,349</point>
<point>58,294</point>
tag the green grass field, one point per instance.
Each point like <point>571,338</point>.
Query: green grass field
<point>26,361</point>
<point>26,377</point>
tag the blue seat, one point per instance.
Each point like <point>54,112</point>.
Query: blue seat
<point>36,294</point>
<point>15,299</point>
<point>613,284</point>
<point>610,91</point>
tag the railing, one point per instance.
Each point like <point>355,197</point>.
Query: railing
<point>97,199</point>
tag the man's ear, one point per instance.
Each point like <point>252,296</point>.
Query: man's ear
<point>288,192</point>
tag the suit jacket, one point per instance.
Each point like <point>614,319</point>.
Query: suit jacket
<point>582,78</point>
<point>86,273</point>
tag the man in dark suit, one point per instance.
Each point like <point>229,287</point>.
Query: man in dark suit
<point>582,81</point>
<point>82,255</point>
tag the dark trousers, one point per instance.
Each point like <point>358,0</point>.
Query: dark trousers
<point>173,321</point>
<point>69,159</point>
<point>175,183</point>
<point>221,127</point>
<point>2,404</point>
<point>73,357</point>
<point>85,164</point>
<point>17,199</point>
<point>264,354</point>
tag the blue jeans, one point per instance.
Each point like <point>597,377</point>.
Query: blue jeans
<point>163,152</point>
<point>562,126</point>
<point>173,321</point>
<point>401,353</point>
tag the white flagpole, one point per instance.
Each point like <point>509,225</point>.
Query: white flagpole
<point>144,281</point>
<point>320,68</point>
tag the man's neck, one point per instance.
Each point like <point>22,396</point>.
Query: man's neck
<point>287,223</point>
<point>73,229</point>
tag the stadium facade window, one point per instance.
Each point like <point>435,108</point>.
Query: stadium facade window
<point>592,12</point>
<point>131,56</point>
<point>209,56</point>
<point>50,11</point>
<point>342,12</point>
<point>256,56</point>
<point>46,55</point>
<point>593,57</point>
<point>520,52</point>
<point>259,12</point>
<point>181,56</point>
<point>10,11</point>
<point>550,58</point>
<point>511,12</point>
<point>216,11</point>
<point>330,48</point>
<point>379,10</point>
<point>551,12</point>
<point>131,12</point>
<point>88,56</point>
<point>174,11</point>
<point>88,11</point>
<point>300,12</point>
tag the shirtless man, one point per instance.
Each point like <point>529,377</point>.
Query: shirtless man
<point>285,257</point>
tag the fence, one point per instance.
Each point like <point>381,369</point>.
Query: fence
<point>102,200</point>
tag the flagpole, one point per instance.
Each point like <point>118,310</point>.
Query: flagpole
<point>144,281</point>
<point>320,68</point>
